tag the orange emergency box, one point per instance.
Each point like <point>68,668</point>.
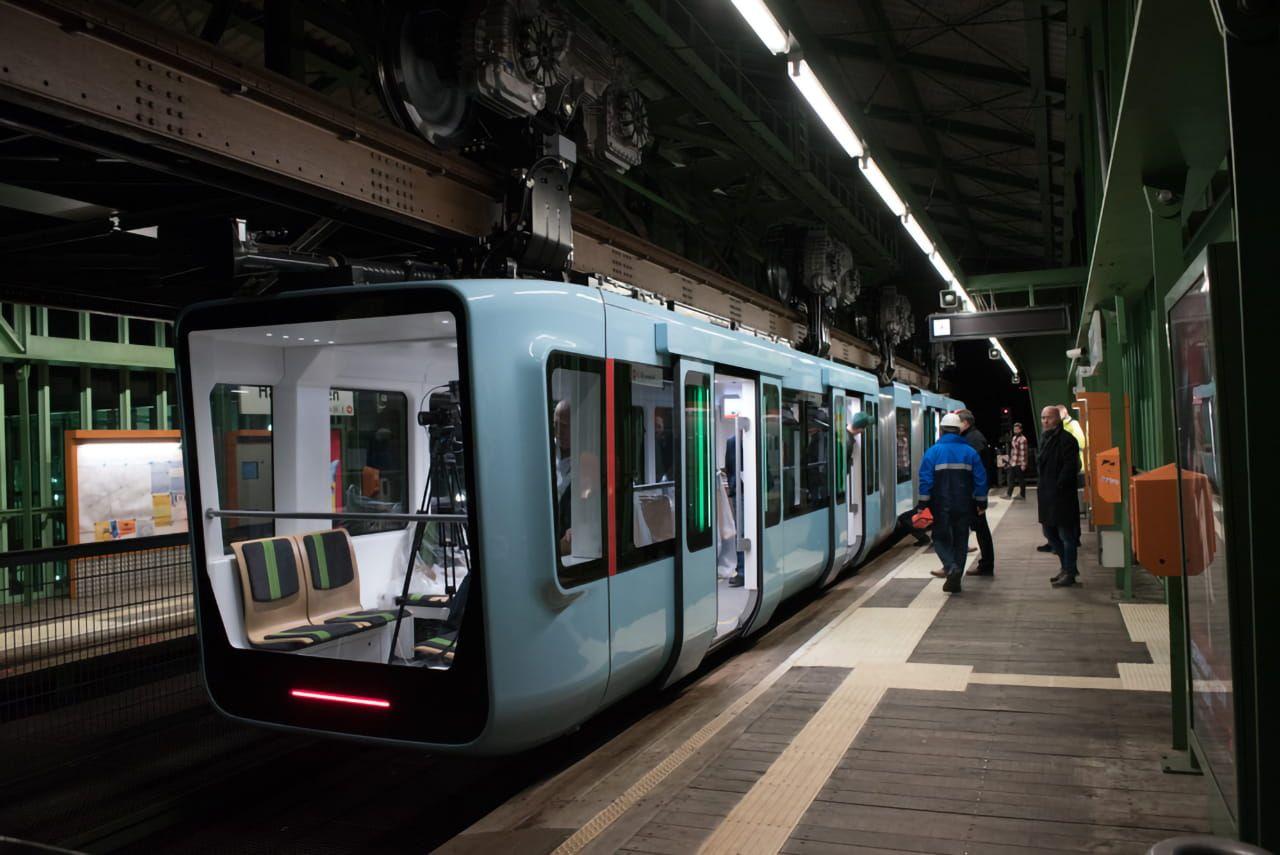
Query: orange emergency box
<point>1106,473</point>
<point>1154,513</point>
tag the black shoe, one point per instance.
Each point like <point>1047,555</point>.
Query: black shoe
<point>1044,547</point>
<point>1065,581</point>
<point>923,541</point>
<point>1061,573</point>
<point>981,571</point>
<point>737,582</point>
<point>952,585</point>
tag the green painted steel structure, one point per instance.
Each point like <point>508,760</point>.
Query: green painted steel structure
<point>1170,154</point>
<point>62,370</point>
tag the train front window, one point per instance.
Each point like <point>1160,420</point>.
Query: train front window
<point>315,429</point>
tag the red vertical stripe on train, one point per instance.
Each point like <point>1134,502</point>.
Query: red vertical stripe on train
<point>611,468</point>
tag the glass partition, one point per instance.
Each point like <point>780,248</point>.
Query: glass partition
<point>1204,538</point>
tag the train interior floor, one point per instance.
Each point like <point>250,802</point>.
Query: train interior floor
<point>883,716</point>
<point>1013,717</point>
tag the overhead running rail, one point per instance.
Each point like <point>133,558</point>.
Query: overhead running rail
<point>102,76</point>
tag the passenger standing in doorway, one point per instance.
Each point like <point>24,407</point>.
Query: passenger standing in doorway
<point>953,485</point>
<point>1018,462</point>
<point>1058,464</point>
<point>731,477</point>
<point>986,565</point>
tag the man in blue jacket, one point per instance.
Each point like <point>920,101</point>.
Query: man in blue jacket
<point>953,485</point>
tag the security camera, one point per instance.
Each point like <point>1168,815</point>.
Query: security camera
<point>994,353</point>
<point>948,299</point>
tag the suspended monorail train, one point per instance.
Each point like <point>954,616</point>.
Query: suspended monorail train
<point>470,515</point>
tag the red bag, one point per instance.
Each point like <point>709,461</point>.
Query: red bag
<point>922,520</point>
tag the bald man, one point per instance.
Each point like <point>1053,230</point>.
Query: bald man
<point>1058,465</point>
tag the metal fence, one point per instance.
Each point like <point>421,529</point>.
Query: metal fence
<point>115,640</point>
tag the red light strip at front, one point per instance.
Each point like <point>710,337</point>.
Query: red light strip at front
<point>354,700</point>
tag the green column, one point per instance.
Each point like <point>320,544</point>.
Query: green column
<point>44,442</point>
<point>1165,209</point>
<point>24,441</point>
<point>1114,365</point>
<point>4,474</point>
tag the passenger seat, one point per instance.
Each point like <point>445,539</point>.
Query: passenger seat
<point>334,595</point>
<point>275,605</point>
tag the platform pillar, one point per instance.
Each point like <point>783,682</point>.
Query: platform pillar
<point>1114,347</point>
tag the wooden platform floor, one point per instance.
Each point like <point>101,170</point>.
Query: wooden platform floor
<point>889,717</point>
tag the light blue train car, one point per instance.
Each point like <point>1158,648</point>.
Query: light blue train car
<point>470,515</point>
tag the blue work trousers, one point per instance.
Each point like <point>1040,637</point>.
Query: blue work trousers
<point>1065,540</point>
<point>951,539</point>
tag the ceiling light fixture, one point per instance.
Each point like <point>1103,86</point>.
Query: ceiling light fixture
<point>880,183</point>
<point>766,27</point>
<point>916,231</point>
<point>815,93</point>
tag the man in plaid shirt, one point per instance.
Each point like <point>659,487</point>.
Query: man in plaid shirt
<point>1018,462</point>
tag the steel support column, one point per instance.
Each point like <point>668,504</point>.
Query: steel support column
<point>1116,386</point>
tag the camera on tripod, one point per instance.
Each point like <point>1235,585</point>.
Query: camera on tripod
<point>443,420</point>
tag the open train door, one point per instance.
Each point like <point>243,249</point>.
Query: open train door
<point>696,494</point>
<point>839,526</point>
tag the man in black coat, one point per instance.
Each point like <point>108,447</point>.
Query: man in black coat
<point>1058,465</point>
<point>986,565</point>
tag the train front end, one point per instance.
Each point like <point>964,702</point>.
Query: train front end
<point>332,501</point>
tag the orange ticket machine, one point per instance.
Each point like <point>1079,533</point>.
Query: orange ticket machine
<point>1156,538</point>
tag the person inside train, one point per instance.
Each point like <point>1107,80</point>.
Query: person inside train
<point>731,486</point>
<point>953,485</point>
<point>986,565</point>
<point>564,474</point>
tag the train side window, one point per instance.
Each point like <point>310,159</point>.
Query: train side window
<point>772,456</point>
<point>646,486</point>
<point>817,452</point>
<point>842,455</point>
<point>697,451</point>
<point>242,454</point>
<point>870,455</point>
<point>903,447</point>
<point>806,453</point>
<point>575,414</point>
<point>368,455</point>
<point>792,451</point>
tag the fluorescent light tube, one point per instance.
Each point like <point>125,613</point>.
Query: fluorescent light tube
<point>879,183</point>
<point>761,20</point>
<point>814,92</point>
<point>916,231</point>
<point>995,342</point>
<point>940,264</point>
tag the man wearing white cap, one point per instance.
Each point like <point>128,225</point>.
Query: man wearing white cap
<point>953,485</point>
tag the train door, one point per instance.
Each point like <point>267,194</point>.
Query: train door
<point>736,486</point>
<point>770,546</point>
<point>888,462</point>
<point>855,531</point>
<point>696,564</point>
<point>839,527</point>
<point>869,440</point>
<point>918,443</point>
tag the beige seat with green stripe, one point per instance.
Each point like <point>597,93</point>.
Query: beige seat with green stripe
<point>275,600</point>
<point>333,581</point>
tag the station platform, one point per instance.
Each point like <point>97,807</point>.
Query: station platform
<point>891,717</point>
